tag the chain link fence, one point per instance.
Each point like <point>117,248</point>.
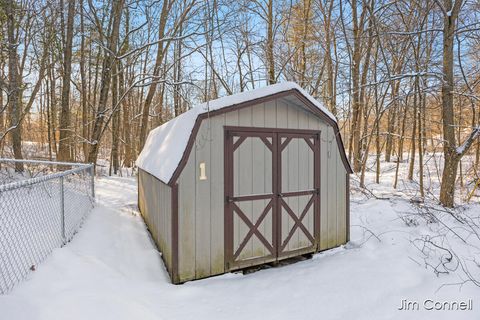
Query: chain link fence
<point>42,205</point>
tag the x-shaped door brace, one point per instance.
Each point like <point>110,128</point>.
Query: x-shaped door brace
<point>298,222</point>
<point>253,228</point>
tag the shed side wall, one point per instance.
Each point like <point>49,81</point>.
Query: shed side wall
<point>201,202</point>
<point>155,204</point>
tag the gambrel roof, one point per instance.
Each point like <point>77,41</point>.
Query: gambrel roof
<point>168,145</point>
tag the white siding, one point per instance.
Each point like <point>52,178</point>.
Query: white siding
<point>155,204</point>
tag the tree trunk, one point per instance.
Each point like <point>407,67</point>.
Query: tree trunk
<point>115,121</point>
<point>331,99</point>
<point>122,76</point>
<point>356,114</point>
<point>53,106</point>
<point>14,86</point>
<point>65,147</point>
<point>270,42</point>
<point>156,72</point>
<point>391,121</point>
<point>420,139</point>
<point>128,161</point>
<point>411,166</point>
<point>84,89</point>
<point>400,146</point>
<point>177,76</point>
<point>49,120</point>
<point>477,156</point>
<point>378,153</point>
<point>108,62</point>
<point>449,175</point>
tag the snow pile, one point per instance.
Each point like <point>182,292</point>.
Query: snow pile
<point>111,270</point>
<point>165,145</point>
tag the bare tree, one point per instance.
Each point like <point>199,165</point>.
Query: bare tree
<point>109,60</point>
<point>64,147</point>
<point>452,153</point>
<point>14,84</point>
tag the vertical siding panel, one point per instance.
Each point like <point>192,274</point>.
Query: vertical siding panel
<point>282,122</point>
<point>305,178</point>
<point>332,190</point>
<point>320,126</point>
<point>231,119</point>
<point>160,218</point>
<point>259,167</point>
<point>245,178</point>
<point>313,124</point>
<point>245,117</point>
<point>292,153</point>
<point>258,115</point>
<point>282,113</point>
<point>186,220</point>
<point>202,196</point>
<point>341,205</point>
<point>270,121</point>
<point>217,261</point>
<point>156,211</point>
<point>270,114</point>
<point>324,186</point>
<point>168,223</point>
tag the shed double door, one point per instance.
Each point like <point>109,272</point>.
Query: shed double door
<point>272,189</point>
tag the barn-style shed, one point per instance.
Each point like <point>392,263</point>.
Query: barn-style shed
<point>247,179</point>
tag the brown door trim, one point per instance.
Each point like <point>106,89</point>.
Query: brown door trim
<point>277,202</point>
<point>231,208</point>
<point>315,238</point>
<point>257,131</point>
<point>228,190</point>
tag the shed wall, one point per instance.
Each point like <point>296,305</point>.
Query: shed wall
<point>201,202</point>
<point>155,204</point>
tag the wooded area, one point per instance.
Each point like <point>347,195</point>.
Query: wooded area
<point>85,80</point>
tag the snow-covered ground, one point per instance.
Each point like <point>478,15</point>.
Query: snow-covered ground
<point>111,270</point>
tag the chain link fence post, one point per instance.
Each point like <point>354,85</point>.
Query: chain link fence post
<point>62,210</point>
<point>92,173</point>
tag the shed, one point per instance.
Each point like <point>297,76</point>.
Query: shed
<point>247,179</point>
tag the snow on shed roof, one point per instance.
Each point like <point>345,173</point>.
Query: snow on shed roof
<point>166,144</point>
